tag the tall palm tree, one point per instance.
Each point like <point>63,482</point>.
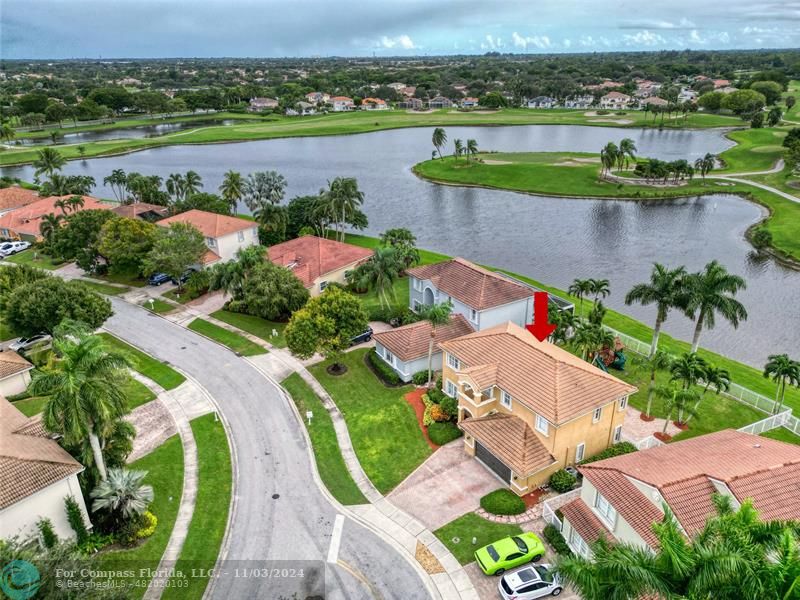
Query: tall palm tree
<point>782,370</point>
<point>609,156</point>
<point>705,164</point>
<point>379,273</point>
<point>658,361</point>
<point>122,494</point>
<point>459,148</point>
<point>263,187</point>
<point>231,189</point>
<point>86,390</point>
<point>713,377</point>
<point>437,315</point>
<point>599,288</point>
<point>345,199</point>
<point>676,398</point>
<point>118,182</point>
<point>273,218</point>
<point>472,148</point>
<point>627,150</point>
<point>48,226</point>
<point>7,132</point>
<point>580,288</point>
<point>192,183</point>
<point>176,186</point>
<point>48,161</point>
<point>709,292</point>
<point>439,139</point>
<point>61,204</point>
<point>665,290</point>
<point>74,203</point>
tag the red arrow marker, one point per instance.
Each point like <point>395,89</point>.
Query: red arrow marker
<point>541,328</point>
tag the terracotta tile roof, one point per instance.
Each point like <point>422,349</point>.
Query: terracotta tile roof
<point>12,363</point>
<point>511,440</point>
<point>210,224</point>
<point>775,492</point>
<point>483,376</point>
<point>310,257</point>
<point>15,197</point>
<point>209,257</point>
<point>29,461</point>
<point>584,521</point>
<point>690,501</point>
<point>341,99</point>
<point>411,341</point>
<point>617,95</point>
<point>473,285</point>
<point>26,220</point>
<point>548,379</point>
<point>131,211</point>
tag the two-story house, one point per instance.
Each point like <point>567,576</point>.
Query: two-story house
<point>622,497</point>
<point>225,235</point>
<point>615,101</point>
<point>342,103</point>
<point>529,408</point>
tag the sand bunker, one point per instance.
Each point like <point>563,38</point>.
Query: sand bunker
<point>615,121</point>
<point>489,161</point>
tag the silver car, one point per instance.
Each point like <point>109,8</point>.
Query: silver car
<point>535,581</point>
<point>27,343</point>
<point>9,248</point>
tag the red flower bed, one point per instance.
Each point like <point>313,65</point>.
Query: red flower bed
<point>414,398</point>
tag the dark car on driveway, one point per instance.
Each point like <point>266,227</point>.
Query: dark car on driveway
<point>362,337</point>
<point>183,278</point>
<point>158,278</point>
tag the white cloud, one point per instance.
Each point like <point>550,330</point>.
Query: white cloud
<point>401,41</point>
<point>566,43</point>
<point>684,23</point>
<point>492,43</point>
<point>749,30</point>
<point>644,38</point>
<point>694,36</point>
<point>537,41</point>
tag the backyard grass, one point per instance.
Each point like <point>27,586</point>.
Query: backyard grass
<point>382,425</point>
<point>239,344</point>
<point>782,435</point>
<point>157,306</point>
<point>35,258</point>
<point>162,374</point>
<point>101,288</point>
<point>254,325</point>
<point>164,468</point>
<point>210,517</point>
<point>457,535</point>
<point>328,455</point>
<point>31,406</point>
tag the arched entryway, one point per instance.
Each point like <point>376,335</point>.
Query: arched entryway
<point>464,414</point>
<point>427,297</point>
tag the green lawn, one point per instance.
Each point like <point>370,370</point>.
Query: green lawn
<point>239,344</point>
<point>254,325</point>
<point>31,406</point>
<point>180,297</point>
<point>457,535</point>
<point>782,434</point>
<point>126,278</point>
<point>210,517</point>
<point>330,464</point>
<point>794,90</point>
<point>164,468</point>
<point>755,150</point>
<point>101,288</point>
<point>6,331</point>
<point>157,306</point>
<point>382,425</point>
<point>35,258</point>
<point>163,375</point>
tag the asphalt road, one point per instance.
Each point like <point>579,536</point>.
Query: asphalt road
<point>281,515</point>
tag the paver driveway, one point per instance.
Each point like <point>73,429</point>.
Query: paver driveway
<point>447,485</point>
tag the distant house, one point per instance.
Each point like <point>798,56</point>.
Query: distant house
<point>605,85</point>
<point>646,88</point>
<point>615,100</point>
<point>408,91</point>
<point>141,210</point>
<point>582,102</point>
<point>721,83</point>
<point>373,104</point>
<point>687,95</point>
<point>342,103</point>
<point>411,103</point>
<point>301,109</point>
<point>15,373</point>
<point>397,86</point>
<point>262,104</point>
<point>440,102</point>
<point>622,497</point>
<point>405,348</point>
<point>15,197</point>
<point>36,477</point>
<point>25,223</point>
<point>653,101</point>
<point>317,97</point>
<point>469,103</point>
<point>318,262</point>
<point>225,235</point>
<point>541,102</point>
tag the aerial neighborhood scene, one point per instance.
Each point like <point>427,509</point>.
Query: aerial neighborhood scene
<point>400,300</point>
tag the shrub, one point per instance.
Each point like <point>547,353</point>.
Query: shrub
<point>94,542</point>
<point>148,527</point>
<point>438,414</point>
<point>427,418</point>
<point>442,433</point>
<point>449,406</point>
<point>49,537</point>
<point>75,519</point>
<point>561,481</point>
<point>611,451</point>
<point>503,502</point>
<point>384,372</point>
<point>761,238</point>
<point>420,378</point>
<point>437,395</point>
<point>556,540</point>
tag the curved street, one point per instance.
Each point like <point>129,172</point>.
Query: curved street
<point>279,513</point>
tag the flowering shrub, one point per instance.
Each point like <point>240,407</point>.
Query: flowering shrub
<point>149,523</point>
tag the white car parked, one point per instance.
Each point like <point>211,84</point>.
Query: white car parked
<point>9,248</point>
<point>535,581</point>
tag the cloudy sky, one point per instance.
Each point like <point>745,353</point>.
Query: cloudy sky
<point>269,28</point>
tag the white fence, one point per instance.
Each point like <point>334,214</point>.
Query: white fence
<point>644,443</point>
<point>549,507</point>
<point>769,423</point>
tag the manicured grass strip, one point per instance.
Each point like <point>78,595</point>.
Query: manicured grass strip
<point>131,279</point>
<point>234,341</point>
<point>330,463</point>
<point>164,468</point>
<point>179,297</point>
<point>457,535</point>
<point>255,325</point>
<point>138,393</point>
<point>31,406</point>
<point>157,306</point>
<point>207,528</point>
<point>382,425</point>
<point>34,258</point>
<point>163,375</point>
<point>783,435</point>
<point>101,288</point>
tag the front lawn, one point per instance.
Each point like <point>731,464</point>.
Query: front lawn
<point>102,288</point>
<point>137,393</point>
<point>457,535</point>
<point>163,375</point>
<point>157,306</point>
<point>328,455</point>
<point>239,344</point>
<point>181,297</point>
<point>164,468</point>
<point>382,425</point>
<point>210,517</point>
<point>126,278</point>
<point>35,258</point>
<point>254,325</point>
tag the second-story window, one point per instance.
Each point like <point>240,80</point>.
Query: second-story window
<point>598,412</point>
<point>418,284</point>
<point>605,510</point>
<point>211,242</point>
<point>453,362</point>
<point>240,235</point>
<point>505,399</point>
<point>450,388</point>
<point>542,426</point>
<point>623,402</point>
<point>473,315</point>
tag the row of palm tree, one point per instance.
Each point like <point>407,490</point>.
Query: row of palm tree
<point>612,156</point>
<point>181,186</point>
<point>583,288</point>
<point>655,170</point>
<point>471,148</point>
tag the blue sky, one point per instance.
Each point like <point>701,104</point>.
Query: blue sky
<point>267,28</point>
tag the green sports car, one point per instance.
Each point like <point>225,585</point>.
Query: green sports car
<point>510,552</point>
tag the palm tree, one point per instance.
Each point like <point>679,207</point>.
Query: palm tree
<point>73,203</point>
<point>345,199</point>
<point>437,315</point>
<point>273,218</point>
<point>709,292</point>
<point>580,288</point>
<point>658,361</point>
<point>263,187</point>
<point>176,186</point>
<point>118,182</point>
<point>599,288</point>
<point>192,183</point>
<point>48,226</point>
<point>472,148</point>
<point>61,203</point>
<point>379,273</point>
<point>231,189</point>
<point>705,164</point>
<point>439,139</point>
<point>715,377</point>
<point>676,398</point>
<point>7,132</point>
<point>782,370</point>
<point>122,494</point>
<point>459,148</point>
<point>609,155</point>
<point>588,337</point>
<point>48,161</point>
<point>86,392</point>
<point>665,290</point>
<point>627,149</point>
<point>688,369</point>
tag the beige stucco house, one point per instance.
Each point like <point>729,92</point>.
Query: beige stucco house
<point>15,373</point>
<point>36,476</point>
<point>318,262</point>
<point>529,408</point>
<point>225,235</point>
